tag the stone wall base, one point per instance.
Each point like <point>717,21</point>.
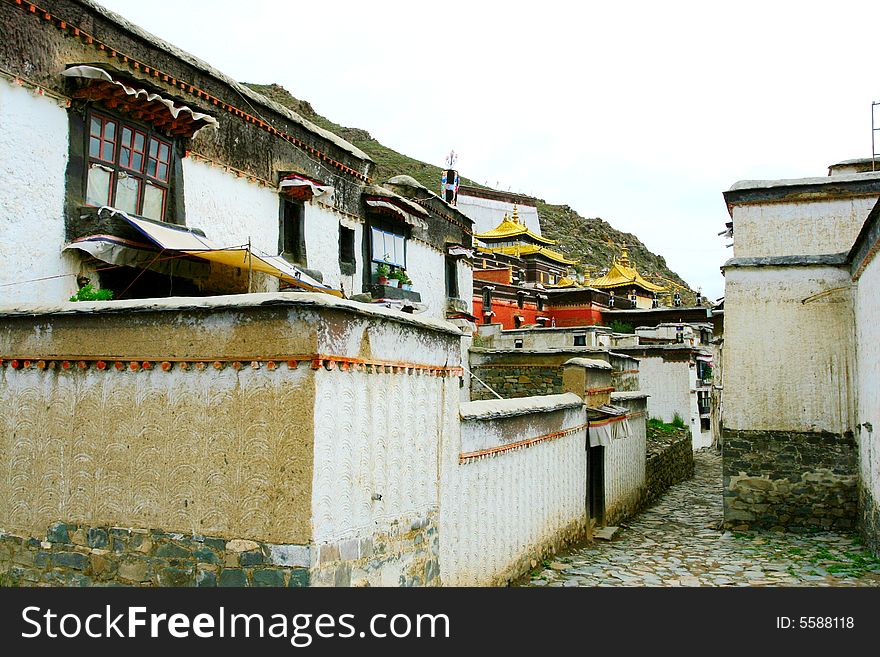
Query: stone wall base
<point>667,466</point>
<point>789,480</point>
<point>869,520</point>
<point>79,555</point>
<point>405,555</point>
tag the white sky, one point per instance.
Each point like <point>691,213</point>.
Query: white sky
<point>639,113</point>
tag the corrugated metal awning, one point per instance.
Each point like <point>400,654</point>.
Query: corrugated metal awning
<point>177,238</point>
<point>175,119</point>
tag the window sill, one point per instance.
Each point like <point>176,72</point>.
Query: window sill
<point>388,292</point>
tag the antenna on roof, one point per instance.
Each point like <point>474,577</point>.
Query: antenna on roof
<point>875,128</point>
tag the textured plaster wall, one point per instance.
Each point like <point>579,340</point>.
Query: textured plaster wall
<point>224,452</point>
<point>801,228</point>
<point>501,512</point>
<point>322,246</point>
<point>465,283</point>
<point>229,208</point>
<point>867,316</point>
<point>33,159</point>
<point>788,357</point>
<point>625,466</point>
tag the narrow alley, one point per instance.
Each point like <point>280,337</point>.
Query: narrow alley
<point>677,542</point>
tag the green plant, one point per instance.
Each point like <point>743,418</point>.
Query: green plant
<point>620,327</point>
<point>678,422</point>
<point>401,275</point>
<point>89,293</point>
<point>382,270</point>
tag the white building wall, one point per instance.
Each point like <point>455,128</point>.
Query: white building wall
<point>499,509</point>
<point>867,324</point>
<point>669,385</point>
<point>488,213</point>
<point>426,266</point>
<point>625,470</point>
<point>804,228</point>
<point>34,146</point>
<point>466,283</point>
<point>791,364</point>
<point>229,208</point>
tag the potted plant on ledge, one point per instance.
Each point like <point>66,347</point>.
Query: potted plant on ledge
<point>403,277</point>
<point>382,271</point>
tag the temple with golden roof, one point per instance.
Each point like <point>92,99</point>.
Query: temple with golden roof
<point>622,280</point>
<point>511,245</point>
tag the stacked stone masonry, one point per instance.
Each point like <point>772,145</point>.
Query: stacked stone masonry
<point>795,480</point>
<point>517,381</point>
<point>80,555</point>
<point>667,464</point>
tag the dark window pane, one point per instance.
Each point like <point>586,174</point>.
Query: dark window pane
<point>94,147</point>
<point>164,152</point>
<point>154,147</point>
<point>151,167</point>
<point>139,141</point>
<point>95,128</point>
<point>126,136</point>
<point>107,152</point>
<point>163,172</point>
<point>124,157</point>
<point>137,162</point>
<point>110,131</point>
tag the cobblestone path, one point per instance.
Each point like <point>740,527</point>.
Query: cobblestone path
<point>677,542</point>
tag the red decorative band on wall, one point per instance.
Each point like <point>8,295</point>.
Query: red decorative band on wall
<point>600,391</point>
<point>180,85</point>
<point>316,361</point>
<point>468,457</point>
<point>610,420</point>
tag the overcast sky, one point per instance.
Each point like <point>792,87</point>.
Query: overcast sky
<point>639,113</point>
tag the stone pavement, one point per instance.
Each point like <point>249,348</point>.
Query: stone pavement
<point>677,542</point>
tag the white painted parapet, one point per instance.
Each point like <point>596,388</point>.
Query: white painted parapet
<point>513,487</point>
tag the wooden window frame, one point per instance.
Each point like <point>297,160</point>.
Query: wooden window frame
<point>115,166</point>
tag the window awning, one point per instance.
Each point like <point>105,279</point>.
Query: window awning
<point>397,210</point>
<point>302,187</point>
<point>183,240</point>
<point>127,253</point>
<point>458,250</point>
<point>162,113</point>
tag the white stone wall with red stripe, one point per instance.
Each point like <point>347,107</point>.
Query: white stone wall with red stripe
<point>513,487</point>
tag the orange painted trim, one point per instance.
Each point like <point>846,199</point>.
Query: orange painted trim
<point>599,391</point>
<point>89,39</point>
<point>166,364</point>
<point>611,420</point>
<point>468,457</point>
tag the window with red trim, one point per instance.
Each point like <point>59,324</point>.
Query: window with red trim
<point>129,167</point>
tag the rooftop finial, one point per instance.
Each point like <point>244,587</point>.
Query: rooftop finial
<point>624,256</point>
<point>515,214</point>
<point>451,159</point>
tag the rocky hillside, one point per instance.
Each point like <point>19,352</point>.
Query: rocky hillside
<point>591,240</point>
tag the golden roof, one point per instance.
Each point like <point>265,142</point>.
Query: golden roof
<point>623,274</point>
<point>512,227</point>
<point>520,250</point>
<point>565,281</point>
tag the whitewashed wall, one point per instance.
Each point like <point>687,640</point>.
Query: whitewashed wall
<point>803,228</point>
<point>790,365</point>
<point>867,323</point>
<point>488,213</point>
<point>229,208</point>
<point>669,384</point>
<point>499,510</point>
<point>377,446</point>
<point>426,267</point>
<point>465,283</point>
<point>624,472</point>
<point>34,147</point>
